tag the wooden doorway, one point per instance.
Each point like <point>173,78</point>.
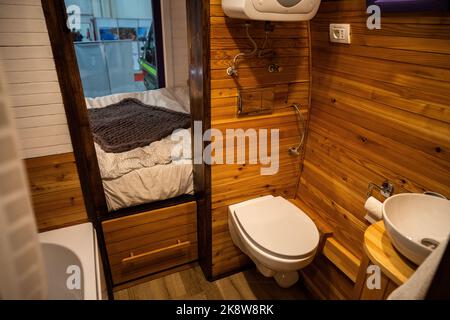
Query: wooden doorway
<point>82,141</point>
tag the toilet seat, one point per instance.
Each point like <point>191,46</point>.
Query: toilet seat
<point>277,227</point>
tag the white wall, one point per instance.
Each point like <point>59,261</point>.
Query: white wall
<point>34,91</point>
<point>176,54</point>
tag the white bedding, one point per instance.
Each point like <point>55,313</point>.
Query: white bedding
<point>149,184</point>
<point>115,165</point>
<point>146,174</point>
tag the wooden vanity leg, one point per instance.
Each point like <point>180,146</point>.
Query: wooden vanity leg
<point>375,294</point>
<point>361,278</point>
<point>362,292</point>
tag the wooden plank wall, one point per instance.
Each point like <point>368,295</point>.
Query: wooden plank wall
<point>380,110</point>
<point>56,191</point>
<point>236,183</point>
<point>27,60</point>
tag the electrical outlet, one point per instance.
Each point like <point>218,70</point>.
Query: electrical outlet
<point>340,33</point>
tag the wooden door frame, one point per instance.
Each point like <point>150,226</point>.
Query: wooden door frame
<point>157,22</point>
<point>82,140</point>
<point>198,20</point>
<point>78,122</point>
<point>75,106</point>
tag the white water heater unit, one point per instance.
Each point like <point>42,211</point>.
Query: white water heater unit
<point>271,10</point>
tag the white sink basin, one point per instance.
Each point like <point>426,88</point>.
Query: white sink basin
<point>416,223</point>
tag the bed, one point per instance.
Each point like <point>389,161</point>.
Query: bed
<point>148,183</point>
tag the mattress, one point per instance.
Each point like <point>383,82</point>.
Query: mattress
<point>158,182</point>
<point>146,185</point>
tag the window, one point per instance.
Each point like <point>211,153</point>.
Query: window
<point>118,46</point>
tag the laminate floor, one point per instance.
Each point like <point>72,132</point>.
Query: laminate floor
<point>190,284</point>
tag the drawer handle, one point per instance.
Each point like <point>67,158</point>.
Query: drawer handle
<point>178,246</point>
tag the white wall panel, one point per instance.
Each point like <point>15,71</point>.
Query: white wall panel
<point>176,52</point>
<point>34,92</point>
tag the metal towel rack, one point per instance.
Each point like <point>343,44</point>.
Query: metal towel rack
<point>386,189</point>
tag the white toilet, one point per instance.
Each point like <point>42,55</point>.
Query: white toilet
<point>279,237</point>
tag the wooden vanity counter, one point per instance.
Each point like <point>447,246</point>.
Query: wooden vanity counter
<point>379,249</point>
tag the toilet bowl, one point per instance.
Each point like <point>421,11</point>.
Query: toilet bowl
<point>276,235</point>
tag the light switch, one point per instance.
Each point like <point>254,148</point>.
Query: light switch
<point>340,33</point>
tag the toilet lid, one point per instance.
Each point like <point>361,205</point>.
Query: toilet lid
<point>279,227</point>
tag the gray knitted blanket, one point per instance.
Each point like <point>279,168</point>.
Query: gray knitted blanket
<point>131,124</point>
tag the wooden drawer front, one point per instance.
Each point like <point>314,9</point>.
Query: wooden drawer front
<point>149,242</point>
